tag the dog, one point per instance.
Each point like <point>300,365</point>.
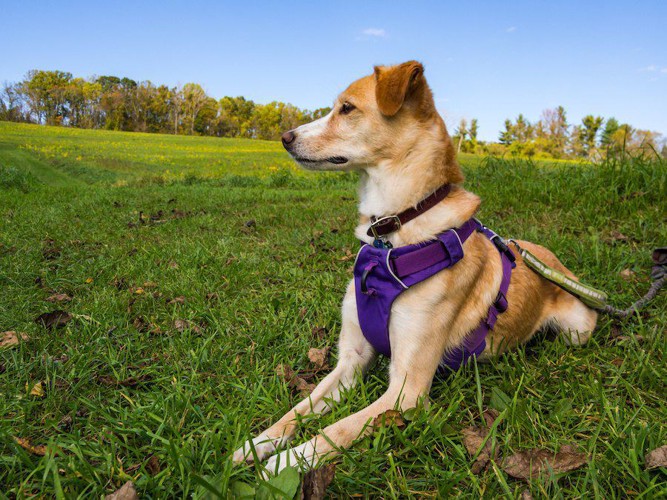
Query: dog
<point>386,126</point>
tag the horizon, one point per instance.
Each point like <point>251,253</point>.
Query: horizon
<point>601,59</point>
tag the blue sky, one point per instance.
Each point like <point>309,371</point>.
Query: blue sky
<point>488,60</point>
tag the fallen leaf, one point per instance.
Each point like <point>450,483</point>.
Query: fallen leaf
<point>294,381</point>
<point>473,437</point>
<point>119,283</point>
<point>319,332</point>
<point>389,417</point>
<point>348,256</point>
<point>627,274</point>
<point>173,265</point>
<point>531,463</point>
<point>89,280</point>
<point>656,458</point>
<point>126,492</point>
<point>526,495</point>
<point>318,357</point>
<point>11,338</point>
<point>316,481</point>
<point>39,450</point>
<point>54,319</point>
<point>128,382</point>
<point>177,300</point>
<point>144,326</point>
<point>59,297</point>
<point>617,361</point>
<point>490,415</point>
<point>65,423</point>
<point>182,325</point>
<point>618,236</point>
<point>153,465</point>
<point>37,390</point>
<point>212,296</point>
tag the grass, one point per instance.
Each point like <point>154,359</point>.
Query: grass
<point>254,293</point>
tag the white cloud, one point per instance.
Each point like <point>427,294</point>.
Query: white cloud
<point>650,67</point>
<point>663,70</point>
<point>376,32</point>
<point>511,29</point>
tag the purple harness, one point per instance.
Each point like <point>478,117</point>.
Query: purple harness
<point>382,274</point>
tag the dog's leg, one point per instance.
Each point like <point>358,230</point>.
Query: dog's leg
<point>416,353</point>
<point>354,356</point>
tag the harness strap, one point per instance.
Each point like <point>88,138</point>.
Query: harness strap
<point>434,252</point>
<point>475,342</point>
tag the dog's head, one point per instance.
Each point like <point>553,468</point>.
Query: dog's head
<point>378,117</point>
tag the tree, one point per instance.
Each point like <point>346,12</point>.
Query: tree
<point>194,98</point>
<point>46,93</point>
<point>610,128</point>
<point>11,103</point>
<point>587,134</point>
<point>461,133</point>
<point>506,136</point>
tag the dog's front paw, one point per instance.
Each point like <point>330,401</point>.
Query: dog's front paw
<point>302,457</point>
<point>263,446</point>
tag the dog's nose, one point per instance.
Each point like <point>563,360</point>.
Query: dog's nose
<point>288,138</point>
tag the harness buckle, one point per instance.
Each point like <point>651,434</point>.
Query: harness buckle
<point>383,221</point>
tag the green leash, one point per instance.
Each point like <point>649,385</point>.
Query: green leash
<point>592,297</point>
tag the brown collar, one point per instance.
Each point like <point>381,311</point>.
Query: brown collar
<point>381,226</point>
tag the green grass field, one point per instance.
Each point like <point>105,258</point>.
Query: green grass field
<point>139,386</point>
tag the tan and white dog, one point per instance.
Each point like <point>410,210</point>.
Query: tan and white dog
<point>386,126</point>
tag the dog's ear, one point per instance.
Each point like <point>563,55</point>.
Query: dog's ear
<point>394,84</point>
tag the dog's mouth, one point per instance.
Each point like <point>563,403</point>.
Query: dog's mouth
<point>336,160</point>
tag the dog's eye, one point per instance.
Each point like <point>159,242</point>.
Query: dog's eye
<point>346,108</point>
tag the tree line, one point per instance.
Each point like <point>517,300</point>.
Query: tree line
<point>114,103</point>
<point>553,137</point>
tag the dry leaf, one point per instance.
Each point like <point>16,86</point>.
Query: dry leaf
<point>348,256</point>
<point>657,458</point>
<point>11,338</point>
<point>627,274</point>
<point>128,382</point>
<point>530,463</point>
<point>316,481</point>
<point>126,492</point>
<point>39,450</point>
<point>89,280</point>
<point>177,300</point>
<point>490,415</point>
<point>54,319</point>
<point>59,297</point>
<point>389,417</point>
<point>319,332</point>
<point>65,423</point>
<point>525,495</point>
<point>618,236</point>
<point>473,437</point>
<point>37,390</point>
<point>182,325</point>
<point>153,465</point>
<point>318,357</point>
<point>294,381</point>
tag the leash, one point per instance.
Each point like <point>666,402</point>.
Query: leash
<point>593,298</point>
